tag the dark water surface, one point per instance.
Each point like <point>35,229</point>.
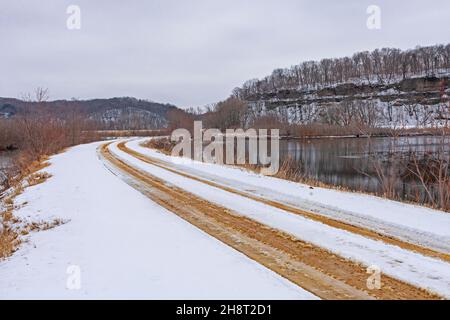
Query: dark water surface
<point>5,163</point>
<point>349,162</point>
<point>5,160</point>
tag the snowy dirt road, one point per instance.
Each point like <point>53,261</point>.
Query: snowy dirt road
<point>421,268</point>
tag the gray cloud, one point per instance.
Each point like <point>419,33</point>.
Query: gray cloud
<point>192,52</point>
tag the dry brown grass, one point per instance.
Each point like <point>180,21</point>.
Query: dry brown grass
<point>161,144</point>
<point>290,169</point>
<point>12,228</point>
<point>36,226</point>
<point>9,237</point>
<point>37,178</point>
<point>9,241</point>
<point>11,232</point>
<point>8,200</point>
<point>35,166</point>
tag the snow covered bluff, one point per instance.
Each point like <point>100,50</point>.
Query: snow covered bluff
<point>414,102</point>
<point>385,87</point>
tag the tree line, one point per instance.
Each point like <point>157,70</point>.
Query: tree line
<point>380,66</point>
<point>38,132</point>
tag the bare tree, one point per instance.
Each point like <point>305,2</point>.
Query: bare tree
<point>379,66</point>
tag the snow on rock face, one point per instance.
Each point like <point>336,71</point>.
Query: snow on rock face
<point>119,244</point>
<point>134,118</point>
<point>414,102</point>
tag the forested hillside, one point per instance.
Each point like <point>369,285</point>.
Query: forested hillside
<point>114,113</point>
<point>383,88</point>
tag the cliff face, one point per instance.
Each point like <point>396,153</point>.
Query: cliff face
<point>417,90</point>
<point>414,102</point>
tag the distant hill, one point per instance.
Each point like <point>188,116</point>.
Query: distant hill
<point>7,110</point>
<point>114,113</point>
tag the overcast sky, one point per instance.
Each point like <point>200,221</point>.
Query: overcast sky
<point>192,52</point>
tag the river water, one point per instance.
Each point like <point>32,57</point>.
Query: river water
<point>6,161</point>
<point>349,162</point>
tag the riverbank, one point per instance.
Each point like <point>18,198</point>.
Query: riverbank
<point>14,229</point>
<point>376,166</point>
<point>412,132</point>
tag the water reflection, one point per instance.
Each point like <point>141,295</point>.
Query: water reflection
<point>6,160</point>
<point>349,162</point>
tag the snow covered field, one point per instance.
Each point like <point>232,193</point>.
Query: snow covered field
<point>124,245</point>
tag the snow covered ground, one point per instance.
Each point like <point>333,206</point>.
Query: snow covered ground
<point>122,245</point>
<point>126,246</point>
<point>405,265</point>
